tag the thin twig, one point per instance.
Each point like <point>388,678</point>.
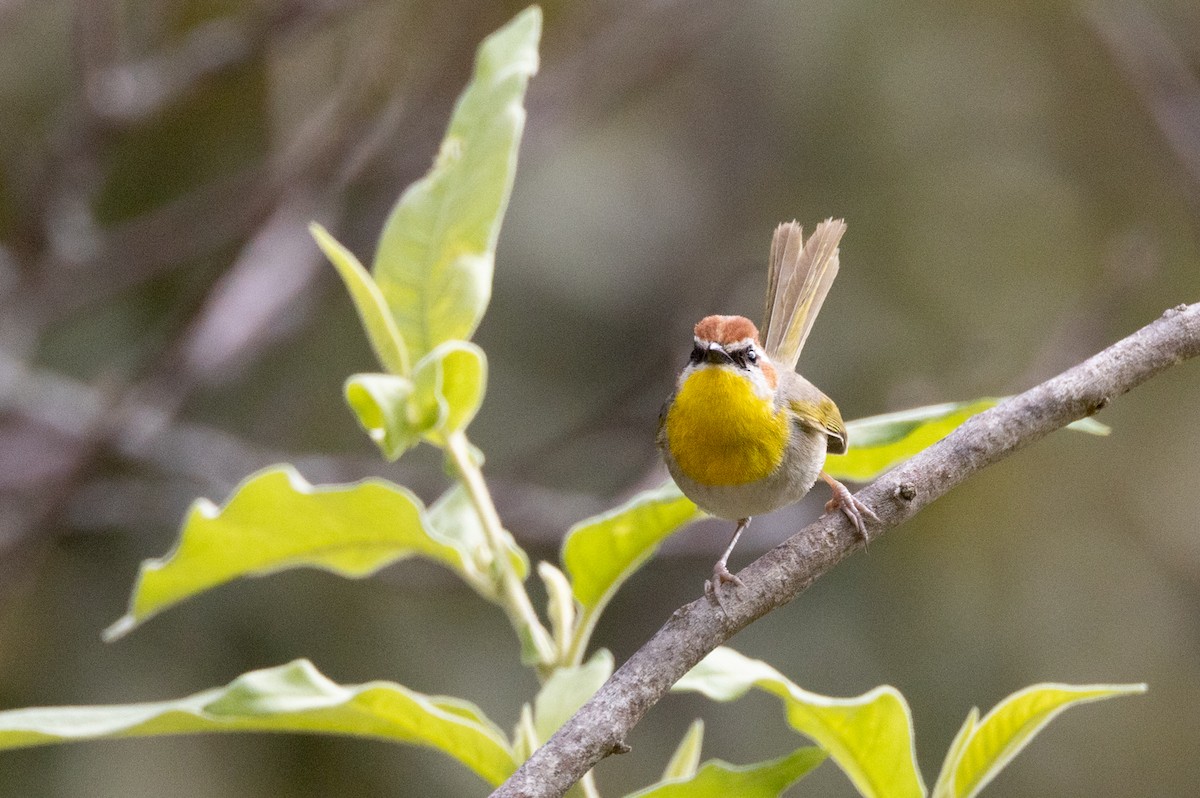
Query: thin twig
<point>599,728</point>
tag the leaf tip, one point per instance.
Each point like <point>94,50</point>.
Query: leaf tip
<point>123,626</point>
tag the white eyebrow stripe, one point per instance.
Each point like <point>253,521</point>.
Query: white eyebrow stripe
<point>736,344</point>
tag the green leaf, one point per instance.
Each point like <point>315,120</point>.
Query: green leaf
<point>435,258</point>
<point>600,553</point>
<point>879,442</point>
<point>560,607</point>
<point>1010,726</point>
<point>525,740</point>
<point>567,690</point>
<point>686,758</point>
<point>717,779</point>
<point>372,309</point>
<point>288,698</point>
<point>453,519</point>
<point>276,520</point>
<point>1091,426</point>
<point>456,383</point>
<point>869,737</point>
<point>442,398</point>
<point>944,787</point>
<point>382,403</point>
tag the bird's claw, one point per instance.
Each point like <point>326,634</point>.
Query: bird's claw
<point>851,507</point>
<point>721,576</point>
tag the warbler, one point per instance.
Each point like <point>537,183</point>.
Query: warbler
<point>744,434</point>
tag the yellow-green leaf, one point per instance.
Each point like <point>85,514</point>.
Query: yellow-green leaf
<point>441,398</point>
<point>435,258</point>
<point>276,520</point>
<point>869,737</point>
<point>567,690</point>
<point>601,552</point>
<point>560,607</point>
<point>525,740</point>
<point>288,698</point>
<point>368,300</point>
<point>382,403</point>
<point>717,779</point>
<point>1010,726</point>
<point>453,518</point>
<point>686,759</point>
<point>944,787</point>
<point>457,381</point>
<point>879,442</point>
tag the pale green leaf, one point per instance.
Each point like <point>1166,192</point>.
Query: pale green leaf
<point>381,402</point>
<point>944,788</point>
<point>368,300</point>
<point>288,698</point>
<point>1091,426</point>
<point>686,759</point>
<point>454,519</point>
<point>444,393</point>
<point>1013,722</point>
<point>525,740</point>
<point>456,381</point>
<point>600,553</point>
<point>717,779</point>
<point>560,607</point>
<point>436,254</point>
<point>567,690</point>
<point>276,520</point>
<point>879,442</point>
<point>869,737</point>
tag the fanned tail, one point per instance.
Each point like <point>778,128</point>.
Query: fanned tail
<point>800,275</point>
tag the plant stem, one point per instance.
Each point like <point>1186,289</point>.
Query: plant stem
<point>514,598</point>
<point>585,624</point>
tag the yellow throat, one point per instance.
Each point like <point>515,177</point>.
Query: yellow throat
<point>720,431</point>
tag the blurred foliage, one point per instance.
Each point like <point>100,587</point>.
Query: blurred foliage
<point>1018,195</point>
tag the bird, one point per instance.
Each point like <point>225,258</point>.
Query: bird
<point>743,434</point>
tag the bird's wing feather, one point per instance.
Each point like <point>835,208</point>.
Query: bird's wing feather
<point>800,275</point>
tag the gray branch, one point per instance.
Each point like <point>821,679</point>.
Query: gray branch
<point>599,728</point>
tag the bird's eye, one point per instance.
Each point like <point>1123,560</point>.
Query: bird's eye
<point>751,355</point>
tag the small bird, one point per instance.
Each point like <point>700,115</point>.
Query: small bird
<point>744,434</point>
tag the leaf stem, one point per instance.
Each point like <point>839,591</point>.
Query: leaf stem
<point>585,624</point>
<point>515,600</point>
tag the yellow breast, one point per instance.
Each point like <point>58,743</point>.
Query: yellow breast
<point>721,432</point>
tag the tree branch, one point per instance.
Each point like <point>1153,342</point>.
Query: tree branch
<point>600,726</point>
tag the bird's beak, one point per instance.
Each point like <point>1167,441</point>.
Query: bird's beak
<point>716,355</point>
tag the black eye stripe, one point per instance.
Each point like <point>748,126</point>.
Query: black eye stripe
<point>744,357</point>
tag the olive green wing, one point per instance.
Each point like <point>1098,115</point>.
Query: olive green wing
<point>822,415</point>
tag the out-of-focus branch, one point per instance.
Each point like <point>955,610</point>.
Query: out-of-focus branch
<point>600,727</point>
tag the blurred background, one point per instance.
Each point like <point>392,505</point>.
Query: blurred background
<point>1022,186</point>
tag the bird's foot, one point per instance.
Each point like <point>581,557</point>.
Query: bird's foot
<point>851,507</point>
<point>721,576</point>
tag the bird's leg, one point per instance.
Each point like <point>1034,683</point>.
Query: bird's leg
<point>721,573</point>
<point>844,500</point>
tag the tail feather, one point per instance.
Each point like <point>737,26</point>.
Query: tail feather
<point>801,273</point>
